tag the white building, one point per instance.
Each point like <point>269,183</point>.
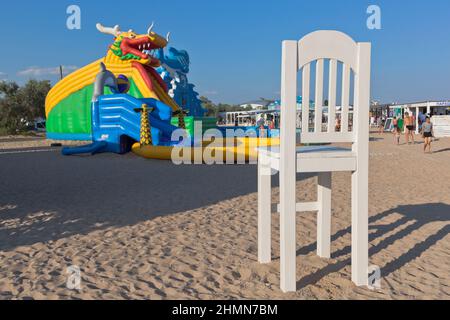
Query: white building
<point>246,118</point>
<point>431,108</point>
<point>256,105</point>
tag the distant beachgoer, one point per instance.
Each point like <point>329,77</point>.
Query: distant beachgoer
<point>262,130</point>
<point>397,135</point>
<point>338,125</point>
<point>409,131</point>
<point>260,122</point>
<point>381,125</point>
<point>427,133</point>
<point>395,124</point>
<point>422,118</point>
<point>271,125</point>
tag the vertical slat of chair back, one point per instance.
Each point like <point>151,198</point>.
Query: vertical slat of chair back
<point>336,47</point>
<point>332,96</point>
<point>345,107</point>
<point>305,97</point>
<point>318,101</point>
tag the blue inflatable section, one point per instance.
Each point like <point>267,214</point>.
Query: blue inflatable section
<point>69,136</point>
<point>114,119</point>
<point>93,148</point>
<point>116,124</point>
<point>174,71</point>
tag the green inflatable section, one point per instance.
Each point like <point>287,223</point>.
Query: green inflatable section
<point>207,123</point>
<point>73,114</point>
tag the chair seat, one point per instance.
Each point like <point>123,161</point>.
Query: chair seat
<point>315,158</point>
<point>311,152</point>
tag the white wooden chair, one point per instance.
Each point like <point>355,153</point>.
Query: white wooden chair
<point>318,47</point>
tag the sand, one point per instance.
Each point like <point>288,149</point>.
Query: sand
<point>32,142</point>
<point>201,242</point>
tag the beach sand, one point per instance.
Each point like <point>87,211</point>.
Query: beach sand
<point>34,141</point>
<point>168,232</point>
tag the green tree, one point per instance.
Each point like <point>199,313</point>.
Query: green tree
<point>213,110</point>
<point>11,109</point>
<point>19,105</point>
<point>33,95</point>
<point>209,106</point>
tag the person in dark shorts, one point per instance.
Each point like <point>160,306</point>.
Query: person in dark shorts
<point>397,135</point>
<point>381,124</point>
<point>409,132</point>
<point>395,129</point>
<point>427,132</point>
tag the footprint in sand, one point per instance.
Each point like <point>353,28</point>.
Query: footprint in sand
<point>236,275</point>
<point>187,275</point>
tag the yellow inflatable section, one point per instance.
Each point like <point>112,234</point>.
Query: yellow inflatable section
<point>86,76</point>
<point>244,149</point>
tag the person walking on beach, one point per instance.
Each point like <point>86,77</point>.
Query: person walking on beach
<point>395,125</point>
<point>427,132</point>
<point>409,131</point>
<point>397,135</point>
<point>381,123</point>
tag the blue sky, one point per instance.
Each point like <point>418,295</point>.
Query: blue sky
<point>235,46</point>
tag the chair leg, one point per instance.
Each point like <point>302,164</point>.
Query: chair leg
<point>264,210</point>
<point>288,247</point>
<point>324,216</point>
<point>360,227</point>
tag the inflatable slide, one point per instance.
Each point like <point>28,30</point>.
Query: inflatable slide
<point>68,105</point>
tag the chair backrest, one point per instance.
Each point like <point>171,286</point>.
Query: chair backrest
<point>323,49</point>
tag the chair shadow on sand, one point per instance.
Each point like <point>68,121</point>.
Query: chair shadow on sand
<point>442,150</point>
<point>414,216</point>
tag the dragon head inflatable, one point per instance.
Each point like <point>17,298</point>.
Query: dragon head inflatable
<point>130,46</point>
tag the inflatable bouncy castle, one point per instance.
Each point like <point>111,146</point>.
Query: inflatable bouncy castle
<point>68,105</point>
<point>136,98</point>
